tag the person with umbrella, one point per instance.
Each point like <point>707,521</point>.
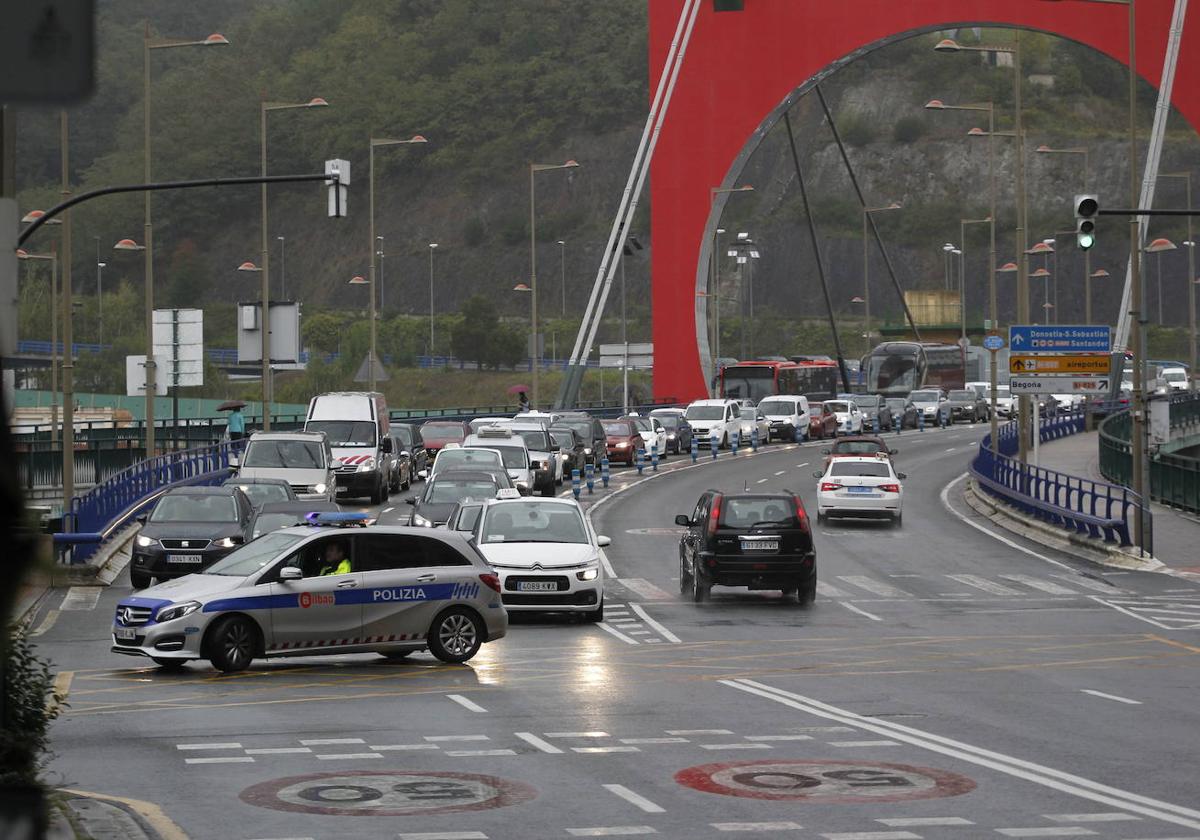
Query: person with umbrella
<point>236,425</point>
<point>522,400</point>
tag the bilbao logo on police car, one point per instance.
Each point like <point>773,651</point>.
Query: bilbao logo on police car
<point>316,599</point>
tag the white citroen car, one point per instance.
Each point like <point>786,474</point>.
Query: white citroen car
<point>849,416</point>
<point>547,556</point>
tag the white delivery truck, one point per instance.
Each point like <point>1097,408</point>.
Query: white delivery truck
<point>356,424</point>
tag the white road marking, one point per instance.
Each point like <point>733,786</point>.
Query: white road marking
<point>387,510</point>
<point>805,464</point>
<point>444,835</point>
<point>1098,817</point>
<point>1088,583</point>
<point>324,742</point>
<point>230,746</point>
<point>871,585</point>
<point>860,611</point>
<point>599,750</point>
<point>611,831</point>
<point>951,449</point>
<point>1029,771</point>
<point>348,756</point>
<point>758,826</point>
<point>737,746</point>
<point>639,632</point>
<point>539,743</point>
<point>864,743</point>
<point>781,472</point>
<point>872,835</point>
<point>609,572</point>
<point>654,740</point>
<point>472,753</point>
<point>1131,613</point>
<point>230,759</point>
<point>1059,831</point>
<point>635,799</point>
<point>646,589</point>
<point>658,627</point>
<point>81,598</point>
<point>830,591</point>
<point>434,738</point>
<point>608,628</point>
<point>984,584</point>
<point>1125,700</point>
<point>761,481</point>
<point>1043,585</point>
<point>699,732</point>
<point>920,822</point>
<point>589,734</point>
<point>778,737</point>
<point>470,705</point>
<point>280,751</point>
<point>400,747</point>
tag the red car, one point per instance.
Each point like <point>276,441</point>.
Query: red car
<point>437,433</point>
<point>822,422</point>
<point>622,441</point>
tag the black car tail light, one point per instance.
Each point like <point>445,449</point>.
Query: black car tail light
<point>714,516</point>
<point>802,516</point>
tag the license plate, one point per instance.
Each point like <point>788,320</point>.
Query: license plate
<point>862,490</point>
<point>126,634</point>
<point>761,545</point>
<point>537,586</point>
<point>185,558</point>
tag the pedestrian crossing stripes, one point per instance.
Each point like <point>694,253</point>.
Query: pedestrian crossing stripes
<point>932,586</point>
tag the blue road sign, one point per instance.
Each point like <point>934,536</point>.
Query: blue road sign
<point>1053,338</point>
<point>993,342</point>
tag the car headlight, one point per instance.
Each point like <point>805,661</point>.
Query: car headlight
<point>367,465</point>
<point>420,521</point>
<point>565,457</point>
<point>671,436</point>
<point>317,488</point>
<point>587,450</point>
<point>227,542</point>
<point>623,445</point>
<point>146,542</point>
<point>177,611</point>
<point>588,574</point>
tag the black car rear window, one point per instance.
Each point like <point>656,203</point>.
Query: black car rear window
<point>750,511</point>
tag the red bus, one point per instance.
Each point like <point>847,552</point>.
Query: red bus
<point>817,380</point>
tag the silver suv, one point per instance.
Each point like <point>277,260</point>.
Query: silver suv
<point>321,589</point>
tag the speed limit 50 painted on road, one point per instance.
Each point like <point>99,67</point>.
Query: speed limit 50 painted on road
<point>822,782</point>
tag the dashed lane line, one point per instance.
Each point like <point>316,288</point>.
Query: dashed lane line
<point>538,743</point>
<point>1113,697</point>
<point>635,799</point>
<point>469,705</point>
<point>860,611</point>
<point>1043,585</point>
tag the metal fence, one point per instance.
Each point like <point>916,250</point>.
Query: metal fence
<point>1174,479</point>
<point>1090,508</point>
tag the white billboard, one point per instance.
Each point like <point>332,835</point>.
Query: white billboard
<point>285,333</point>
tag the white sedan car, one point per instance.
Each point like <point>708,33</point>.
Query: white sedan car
<point>752,418</point>
<point>849,416</point>
<point>866,487</point>
<point>546,554</point>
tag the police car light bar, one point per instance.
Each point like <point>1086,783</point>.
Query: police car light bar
<point>338,518</point>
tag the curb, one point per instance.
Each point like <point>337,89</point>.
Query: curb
<point>1083,548</point>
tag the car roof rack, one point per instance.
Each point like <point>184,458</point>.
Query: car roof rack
<point>338,519</point>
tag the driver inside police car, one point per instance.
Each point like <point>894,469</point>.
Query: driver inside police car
<point>334,560</point>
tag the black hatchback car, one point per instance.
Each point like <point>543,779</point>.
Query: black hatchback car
<point>449,489</point>
<point>756,540</point>
<point>189,529</point>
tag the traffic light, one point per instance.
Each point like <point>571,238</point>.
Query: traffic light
<point>1086,208</point>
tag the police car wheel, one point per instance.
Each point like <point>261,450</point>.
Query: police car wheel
<point>232,644</point>
<point>170,664</point>
<point>455,635</point>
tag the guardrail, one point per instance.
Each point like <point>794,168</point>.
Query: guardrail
<point>112,504</point>
<point>1091,508</point>
<point>1174,479</point>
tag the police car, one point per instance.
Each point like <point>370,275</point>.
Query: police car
<point>339,585</point>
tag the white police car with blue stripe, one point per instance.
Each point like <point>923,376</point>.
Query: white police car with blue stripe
<point>319,590</point>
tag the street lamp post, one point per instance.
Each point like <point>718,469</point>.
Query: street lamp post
<point>373,142</point>
<point>52,258</point>
<point>867,211</point>
<point>1190,244</point>
<point>715,266</point>
<point>962,270</point>
<point>562,262</point>
<point>214,40</point>
<point>432,248</point>
<point>282,267</point>
<point>1087,254</point>
<point>382,283</point>
<point>534,361</point>
<point>1157,247</point>
<point>1044,275</point>
<point>745,252</point>
<point>265,320</point>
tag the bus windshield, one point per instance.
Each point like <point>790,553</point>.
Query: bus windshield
<point>894,370</point>
<point>748,382</point>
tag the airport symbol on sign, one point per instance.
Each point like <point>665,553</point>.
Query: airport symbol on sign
<point>1060,338</point>
<point>1059,364</point>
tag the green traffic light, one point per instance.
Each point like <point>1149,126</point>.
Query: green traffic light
<point>1085,240</point>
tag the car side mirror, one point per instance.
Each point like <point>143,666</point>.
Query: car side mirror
<point>290,573</point>
<point>234,462</point>
<point>818,474</point>
<point>387,445</point>
<point>411,500</point>
<point>336,464</point>
<point>141,520</point>
<point>902,476</point>
<point>603,541</point>
<point>683,520</point>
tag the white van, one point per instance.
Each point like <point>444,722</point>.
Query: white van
<point>721,418</point>
<point>513,452</point>
<point>356,424</point>
<point>1176,378</point>
<point>788,417</point>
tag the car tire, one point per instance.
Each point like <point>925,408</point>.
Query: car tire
<point>169,665</point>
<point>139,580</point>
<point>597,615</point>
<point>822,518</point>
<point>898,520</point>
<point>685,580</point>
<point>806,593</point>
<point>232,644</point>
<point>700,588</point>
<point>407,481</point>
<point>379,494</point>
<point>455,635</point>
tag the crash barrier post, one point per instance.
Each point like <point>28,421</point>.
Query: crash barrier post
<point>575,483</point>
<point>754,438</point>
<point>695,450</point>
<point>590,474</point>
<point>654,457</point>
<point>639,459</point>
<point>713,445</point>
<point>604,470</point>
<point>733,442</point>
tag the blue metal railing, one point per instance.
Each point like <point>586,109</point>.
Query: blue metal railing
<point>112,504</point>
<point>1090,508</point>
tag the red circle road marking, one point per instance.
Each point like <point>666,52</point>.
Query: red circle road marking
<point>820,781</point>
<point>390,793</point>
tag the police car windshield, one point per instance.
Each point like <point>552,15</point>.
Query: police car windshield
<point>298,454</point>
<point>538,522</point>
<point>195,509</point>
<point>447,490</point>
<point>253,555</point>
<point>344,432</point>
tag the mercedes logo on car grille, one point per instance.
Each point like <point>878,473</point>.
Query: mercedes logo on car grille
<point>125,614</point>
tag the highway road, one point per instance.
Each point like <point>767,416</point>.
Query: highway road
<point>949,682</point>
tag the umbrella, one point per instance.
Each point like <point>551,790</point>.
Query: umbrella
<point>230,405</point>
<point>517,389</point>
